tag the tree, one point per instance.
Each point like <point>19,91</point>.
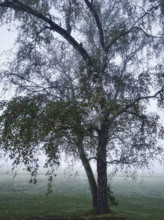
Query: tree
<point>83,78</point>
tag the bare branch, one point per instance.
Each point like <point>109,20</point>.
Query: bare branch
<point>37,36</point>
<point>121,162</point>
<point>68,18</point>
<point>124,33</point>
<point>147,34</point>
<point>135,101</point>
<point>98,22</point>
<point>92,158</point>
<point>128,58</point>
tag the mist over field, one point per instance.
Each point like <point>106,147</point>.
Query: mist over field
<point>144,183</point>
<point>138,198</point>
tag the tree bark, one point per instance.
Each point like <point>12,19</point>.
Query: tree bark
<point>103,205</point>
<point>89,172</point>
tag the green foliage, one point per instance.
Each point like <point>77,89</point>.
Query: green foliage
<point>28,122</point>
<point>112,199</point>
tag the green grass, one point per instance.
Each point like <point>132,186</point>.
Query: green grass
<point>135,208</point>
<point>39,205</point>
<point>140,200</point>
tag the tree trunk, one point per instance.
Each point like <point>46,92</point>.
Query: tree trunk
<point>89,172</point>
<point>103,205</point>
<point>102,192</point>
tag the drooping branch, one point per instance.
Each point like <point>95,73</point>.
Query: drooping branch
<point>17,5</point>
<point>98,22</point>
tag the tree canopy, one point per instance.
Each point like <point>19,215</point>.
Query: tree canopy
<point>84,72</point>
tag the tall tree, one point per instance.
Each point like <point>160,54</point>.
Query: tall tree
<point>84,77</point>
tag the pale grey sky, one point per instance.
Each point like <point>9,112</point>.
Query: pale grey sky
<point>8,37</point>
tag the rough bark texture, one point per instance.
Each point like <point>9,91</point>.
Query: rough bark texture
<point>102,195</point>
<point>103,205</point>
<point>90,175</point>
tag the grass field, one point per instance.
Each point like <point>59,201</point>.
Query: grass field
<point>139,200</point>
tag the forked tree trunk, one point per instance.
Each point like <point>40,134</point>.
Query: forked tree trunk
<point>89,172</point>
<point>103,205</point>
<point>102,192</point>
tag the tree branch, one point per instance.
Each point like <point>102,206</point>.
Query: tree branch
<point>135,101</point>
<point>121,162</point>
<point>92,158</point>
<point>37,36</point>
<point>98,22</point>
<point>123,33</point>
<point>17,5</point>
<point>148,35</point>
<point>128,58</point>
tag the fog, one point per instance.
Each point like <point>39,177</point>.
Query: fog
<point>75,168</point>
